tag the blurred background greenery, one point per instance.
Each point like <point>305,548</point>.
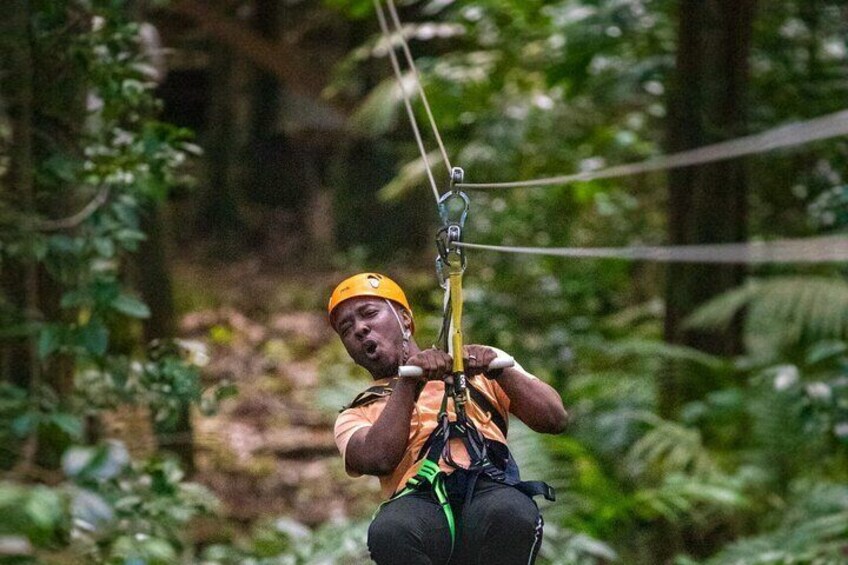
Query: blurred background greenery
<point>182,183</point>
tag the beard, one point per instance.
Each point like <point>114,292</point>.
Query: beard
<point>381,360</point>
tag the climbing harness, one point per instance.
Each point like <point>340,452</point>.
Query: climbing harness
<point>488,458</point>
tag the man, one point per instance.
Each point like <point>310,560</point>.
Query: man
<point>386,431</point>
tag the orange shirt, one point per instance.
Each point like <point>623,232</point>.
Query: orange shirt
<point>423,423</point>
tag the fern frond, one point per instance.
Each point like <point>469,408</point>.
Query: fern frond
<point>671,448</point>
<point>814,529</point>
<point>718,313</point>
<point>682,498</point>
<point>662,350</point>
<point>791,308</point>
<point>565,547</point>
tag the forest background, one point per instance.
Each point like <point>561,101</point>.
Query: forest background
<point>183,182</point>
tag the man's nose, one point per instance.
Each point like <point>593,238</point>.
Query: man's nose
<point>361,329</point>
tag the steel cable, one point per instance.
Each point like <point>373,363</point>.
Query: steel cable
<point>826,249</point>
<point>381,17</point>
<point>411,62</point>
<point>798,133</point>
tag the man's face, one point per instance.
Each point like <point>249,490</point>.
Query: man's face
<point>370,332</point>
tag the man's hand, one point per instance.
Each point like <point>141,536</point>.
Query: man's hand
<point>477,358</point>
<point>434,362</point>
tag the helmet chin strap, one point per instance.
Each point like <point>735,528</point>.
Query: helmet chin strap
<point>404,330</point>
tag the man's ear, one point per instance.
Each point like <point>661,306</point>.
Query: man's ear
<point>406,318</point>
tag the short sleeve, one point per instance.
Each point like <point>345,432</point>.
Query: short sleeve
<point>348,423</point>
<point>502,397</point>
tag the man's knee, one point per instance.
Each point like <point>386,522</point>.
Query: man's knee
<point>380,530</point>
<point>389,534</point>
<point>407,532</point>
<point>507,528</point>
<point>511,515</point>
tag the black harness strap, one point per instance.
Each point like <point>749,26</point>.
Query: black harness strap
<point>371,394</point>
<point>459,431</point>
<point>480,399</point>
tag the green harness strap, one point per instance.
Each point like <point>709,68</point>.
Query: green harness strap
<point>429,473</point>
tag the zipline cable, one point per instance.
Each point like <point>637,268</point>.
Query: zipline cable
<point>826,249</point>
<point>411,63</point>
<point>381,17</point>
<point>810,250</point>
<point>789,135</point>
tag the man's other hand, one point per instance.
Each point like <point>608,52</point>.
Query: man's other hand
<point>434,362</point>
<point>477,358</point>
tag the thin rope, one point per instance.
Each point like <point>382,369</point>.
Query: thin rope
<point>798,133</point>
<point>381,17</point>
<point>826,249</point>
<point>411,62</point>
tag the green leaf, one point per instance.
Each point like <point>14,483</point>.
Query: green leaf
<point>19,330</point>
<point>49,340</point>
<point>99,463</point>
<point>825,350</point>
<point>226,391</point>
<point>24,424</point>
<point>61,167</point>
<point>68,423</point>
<point>126,213</point>
<point>94,338</point>
<point>64,244</point>
<point>412,176</point>
<point>130,235</point>
<point>44,508</point>
<point>74,298</point>
<point>131,306</point>
<point>76,459</point>
<point>105,247</point>
<point>91,509</point>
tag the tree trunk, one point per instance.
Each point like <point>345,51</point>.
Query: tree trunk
<point>219,212</point>
<point>154,284</point>
<point>154,278</point>
<point>707,204</point>
<point>18,360</point>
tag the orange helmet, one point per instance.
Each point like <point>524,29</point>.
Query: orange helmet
<point>369,284</point>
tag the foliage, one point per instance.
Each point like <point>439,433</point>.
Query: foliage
<point>813,531</point>
<point>520,89</point>
<point>529,89</point>
<point>286,542</point>
<point>781,311</point>
<point>111,510</point>
<point>125,512</point>
<point>98,151</point>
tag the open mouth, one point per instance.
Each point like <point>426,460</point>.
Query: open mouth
<point>370,348</point>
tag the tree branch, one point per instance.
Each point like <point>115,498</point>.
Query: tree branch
<point>78,218</point>
<point>273,57</point>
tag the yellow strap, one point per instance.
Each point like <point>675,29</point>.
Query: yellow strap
<point>456,313</point>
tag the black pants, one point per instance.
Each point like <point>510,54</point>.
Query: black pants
<point>500,526</point>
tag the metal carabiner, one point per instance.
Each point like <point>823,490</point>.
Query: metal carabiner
<point>453,208</point>
<point>442,270</point>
